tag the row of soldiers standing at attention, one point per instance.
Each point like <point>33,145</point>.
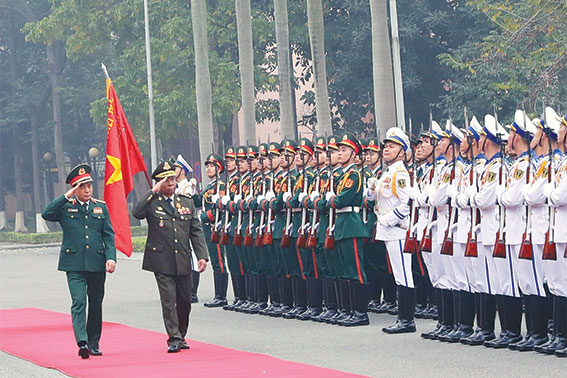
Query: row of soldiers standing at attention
<point>459,224</point>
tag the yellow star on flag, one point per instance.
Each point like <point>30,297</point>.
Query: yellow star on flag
<point>117,174</point>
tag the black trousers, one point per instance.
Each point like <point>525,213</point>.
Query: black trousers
<point>175,296</point>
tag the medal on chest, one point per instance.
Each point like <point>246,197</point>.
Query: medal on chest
<point>161,224</point>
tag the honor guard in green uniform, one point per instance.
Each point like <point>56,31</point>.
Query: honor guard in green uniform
<point>174,229</point>
<point>210,219</point>
<point>306,256</point>
<point>87,253</point>
<point>349,233</point>
<point>238,223</point>
<point>226,238</point>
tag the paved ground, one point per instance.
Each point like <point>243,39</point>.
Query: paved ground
<point>29,278</point>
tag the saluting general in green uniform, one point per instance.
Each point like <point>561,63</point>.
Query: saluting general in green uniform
<point>87,253</point>
<point>173,229</point>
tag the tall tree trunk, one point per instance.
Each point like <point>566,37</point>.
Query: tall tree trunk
<point>382,71</point>
<point>246,64</point>
<point>20,221</point>
<point>203,80</point>
<point>2,199</point>
<point>40,224</point>
<point>54,74</point>
<point>317,41</point>
<point>287,124</point>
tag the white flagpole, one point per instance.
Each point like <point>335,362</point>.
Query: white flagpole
<point>397,65</point>
<point>153,148</point>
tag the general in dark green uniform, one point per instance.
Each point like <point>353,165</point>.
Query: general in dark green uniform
<point>87,253</point>
<point>173,229</point>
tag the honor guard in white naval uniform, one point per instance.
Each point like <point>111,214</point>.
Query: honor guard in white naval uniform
<point>538,304</point>
<point>554,274</point>
<point>510,197</point>
<point>483,198</point>
<point>391,195</point>
<point>472,264</point>
<point>557,197</point>
<point>187,187</point>
<point>425,155</point>
<point>455,241</point>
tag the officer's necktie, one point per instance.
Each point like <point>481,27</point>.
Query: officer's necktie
<point>170,203</point>
<point>86,206</point>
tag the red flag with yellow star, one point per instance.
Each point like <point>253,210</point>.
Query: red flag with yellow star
<point>123,161</point>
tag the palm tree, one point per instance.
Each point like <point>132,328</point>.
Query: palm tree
<point>317,42</point>
<point>287,126</point>
<point>382,71</point>
<point>203,79</point>
<point>246,62</point>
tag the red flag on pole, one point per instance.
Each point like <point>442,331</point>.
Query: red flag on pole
<point>123,161</point>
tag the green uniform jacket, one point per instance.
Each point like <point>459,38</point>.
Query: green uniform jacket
<point>349,193</point>
<point>209,209</point>
<point>170,234</point>
<point>88,237</point>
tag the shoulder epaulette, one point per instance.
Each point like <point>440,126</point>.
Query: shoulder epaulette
<point>98,201</point>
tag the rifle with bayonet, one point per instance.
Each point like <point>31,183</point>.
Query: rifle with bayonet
<point>425,245</point>
<point>248,236</point>
<point>286,235</point>
<point>215,227</point>
<point>302,232</point>
<point>500,246</point>
<point>226,225</point>
<point>237,241</point>
<point>526,250</point>
<point>549,248</point>
<point>447,246</point>
<point>259,242</point>
<point>312,237</point>
<point>268,237</point>
<point>471,249</point>
<point>330,233</point>
<point>411,245</point>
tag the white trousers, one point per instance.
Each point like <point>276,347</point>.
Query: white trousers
<point>529,272</point>
<point>400,262</point>
<point>506,273</point>
<point>457,261</point>
<point>555,272</point>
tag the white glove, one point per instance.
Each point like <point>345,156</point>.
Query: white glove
<point>413,192</point>
<point>193,183</point>
<point>328,196</point>
<point>370,194</point>
<point>237,197</point>
<point>383,222</point>
<point>452,191</point>
<point>248,197</point>
<point>429,189</point>
<point>314,195</point>
<point>499,190</point>
<point>191,191</point>
<point>372,183</point>
<point>302,197</point>
<point>547,189</point>
<point>215,198</point>
<point>225,199</point>
<point>270,196</point>
<point>525,190</point>
<point>260,199</point>
<point>286,196</point>
<point>470,191</point>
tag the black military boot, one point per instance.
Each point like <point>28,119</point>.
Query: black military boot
<point>330,294</point>
<point>293,311</point>
<point>301,303</point>
<point>375,289</point>
<point>247,287</point>
<point>509,312</point>
<point>466,317</point>
<point>195,276</point>
<point>235,282</point>
<point>315,293</point>
<point>388,305</point>
<point>527,299</point>
<point>487,317</point>
<point>539,319</point>
<point>432,335</point>
<point>559,327</point>
<point>254,295</point>
<point>220,281</point>
<point>359,295</point>
<point>271,293</point>
<point>345,302</point>
<point>406,312</point>
<point>456,294</point>
<point>286,297</point>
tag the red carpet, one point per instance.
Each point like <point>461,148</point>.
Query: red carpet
<point>46,339</point>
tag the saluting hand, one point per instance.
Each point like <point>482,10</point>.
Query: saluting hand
<point>157,185</point>
<point>71,192</point>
